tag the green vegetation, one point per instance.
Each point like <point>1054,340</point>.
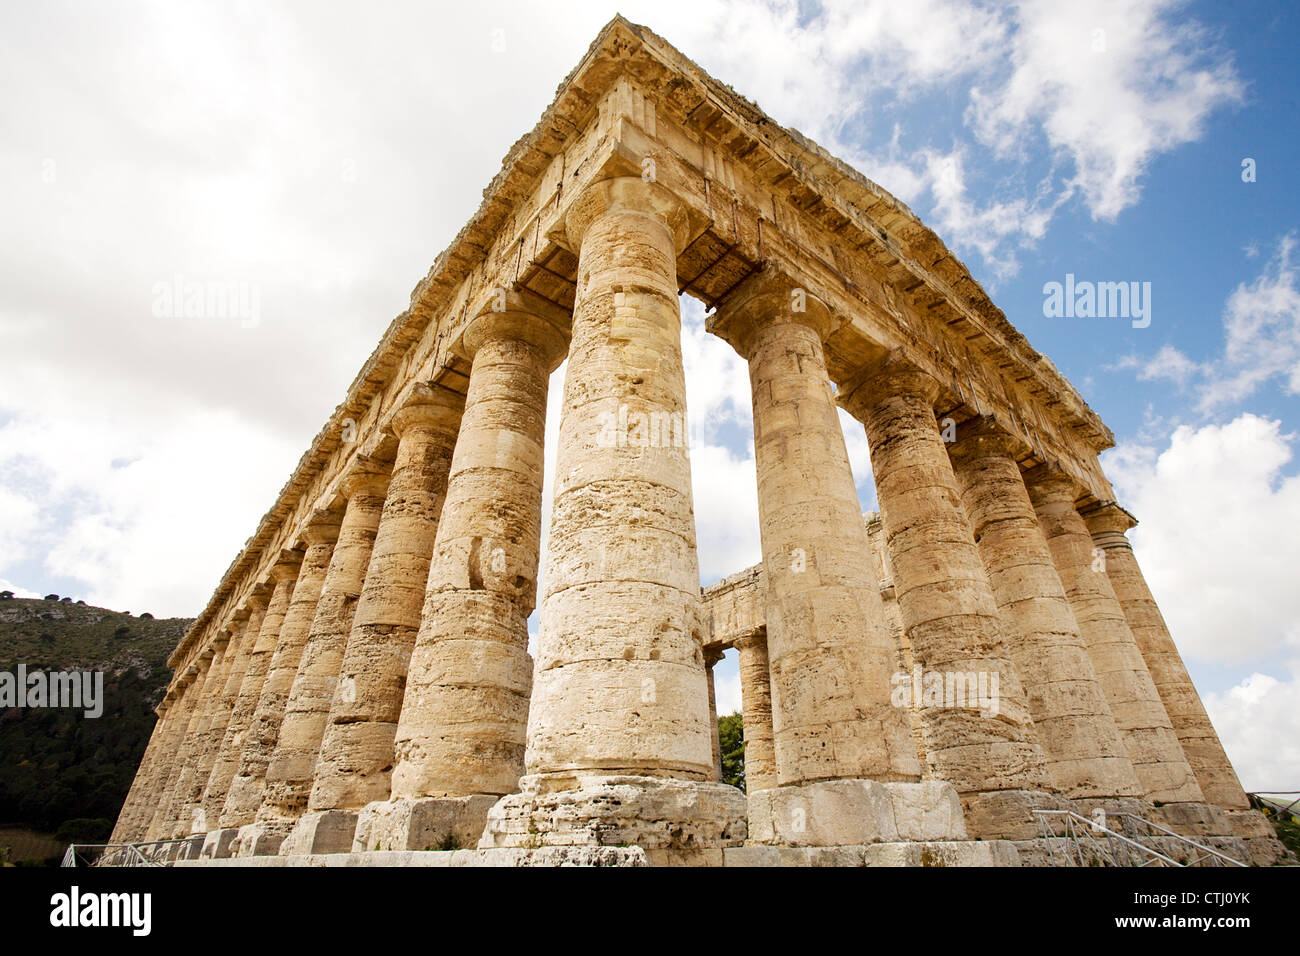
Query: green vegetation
<point>731,741</point>
<point>66,774</point>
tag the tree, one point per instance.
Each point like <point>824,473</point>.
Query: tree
<point>731,741</point>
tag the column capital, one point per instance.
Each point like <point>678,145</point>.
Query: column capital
<point>286,566</point>
<point>525,317</point>
<point>367,476</point>
<point>257,599</point>
<point>1108,524</point>
<point>890,373</point>
<point>769,297</point>
<point>627,194</point>
<point>751,638</point>
<point>221,639</point>
<point>427,406</point>
<point>713,654</point>
<point>322,527</point>
<point>1049,485</point>
<point>982,437</point>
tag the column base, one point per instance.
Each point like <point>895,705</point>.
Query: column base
<point>321,831</point>
<point>674,821</point>
<point>423,823</point>
<point>847,813</point>
<point>260,839</point>
<point>1009,814</point>
<point>218,844</point>
<point>1193,819</point>
<point>1263,848</point>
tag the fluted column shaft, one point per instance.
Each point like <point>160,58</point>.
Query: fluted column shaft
<point>947,606</point>
<point>1080,740</point>
<point>1149,738</point>
<point>356,758</point>
<point>193,777</point>
<point>619,685</point>
<point>248,789</point>
<point>1201,745</point>
<point>829,648</point>
<point>715,741</point>
<point>128,826</point>
<point>213,733</point>
<point>284,574</point>
<point>225,759</point>
<point>182,710</point>
<point>465,715</point>
<point>756,702</point>
<point>291,772</point>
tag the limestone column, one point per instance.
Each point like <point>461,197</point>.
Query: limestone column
<point>182,709</point>
<point>248,789</point>
<point>1162,770</point>
<point>292,770</point>
<point>1080,740</point>
<point>710,659</point>
<point>284,575</point>
<point>756,701</point>
<point>830,652</point>
<point>620,697</point>
<point>356,758</point>
<point>951,619</point>
<point>460,741</point>
<point>128,828</point>
<point>1108,525</point>
<point>193,778</point>
<point>225,759</point>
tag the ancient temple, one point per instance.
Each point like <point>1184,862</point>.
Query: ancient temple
<point>360,681</point>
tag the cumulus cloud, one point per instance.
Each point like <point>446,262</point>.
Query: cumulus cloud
<point>1259,724</point>
<point>1261,324</point>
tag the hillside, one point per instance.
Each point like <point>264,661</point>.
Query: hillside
<point>64,773</point>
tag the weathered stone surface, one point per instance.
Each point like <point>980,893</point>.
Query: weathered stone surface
<point>1080,741</point>
<point>356,757</point>
<point>855,812</point>
<point>1162,769</point>
<point>292,770</point>
<point>422,823</point>
<point>946,603</point>
<point>756,701</point>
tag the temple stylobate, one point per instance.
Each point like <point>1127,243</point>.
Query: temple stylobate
<point>946,681</point>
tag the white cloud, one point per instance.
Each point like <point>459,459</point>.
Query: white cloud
<point>1216,536</point>
<point>1217,547</point>
<point>1110,84</point>
<point>1261,322</point>
<point>1259,724</point>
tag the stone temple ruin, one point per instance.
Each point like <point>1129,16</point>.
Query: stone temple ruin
<point>360,681</point>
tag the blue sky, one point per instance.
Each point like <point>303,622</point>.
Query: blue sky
<point>323,158</point>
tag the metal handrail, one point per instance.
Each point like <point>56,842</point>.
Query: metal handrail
<point>1126,844</point>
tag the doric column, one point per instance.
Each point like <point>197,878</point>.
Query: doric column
<point>460,740</point>
<point>225,760</point>
<point>1108,525</point>
<point>1080,741</point>
<point>715,742</point>
<point>129,827</point>
<point>292,770</point>
<point>619,687</point>
<point>193,777</point>
<point>756,702</point>
<point>248,789</point>
<point>1152,745</point>
<point>830,652</point>
<point>356,758</point>
<point>188,689</point>
<point>284,575</point>
<point>982,743</point>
